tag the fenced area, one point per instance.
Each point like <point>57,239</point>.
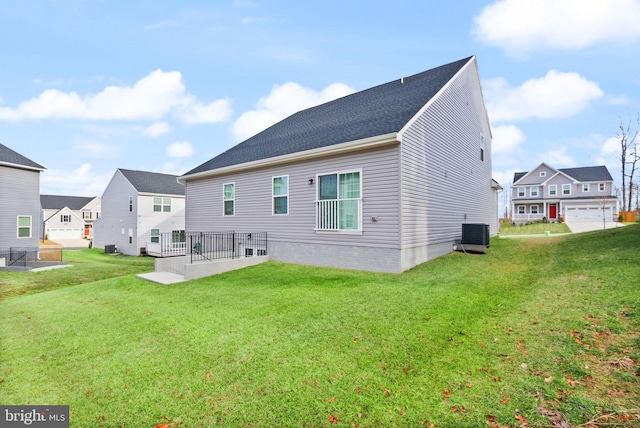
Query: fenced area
<point>29,257</point>
<point>208,246</point>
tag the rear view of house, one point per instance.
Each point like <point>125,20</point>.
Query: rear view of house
<point>379,180</point>
<point>20,215</point>
<point>138,207</point>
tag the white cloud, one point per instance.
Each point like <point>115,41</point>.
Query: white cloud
<point>506,139</point>
<point>283,101</point>
<point>81,181</point>
<point>154,96</point>
<point>556,95</point>
<point>197,112</point>
<point>156,129</point>
<point>182,149</point>
<point>558,157</point>
<point>523,26</point>
<point>611,146</point>
<point>97,150</point>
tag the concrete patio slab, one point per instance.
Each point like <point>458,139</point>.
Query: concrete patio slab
<point>165,278</point>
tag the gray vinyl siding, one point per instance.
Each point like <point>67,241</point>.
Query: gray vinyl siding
<point>115,217</point>
<point>253,204</point>
<point>20,196</point>
<point>443,177</point>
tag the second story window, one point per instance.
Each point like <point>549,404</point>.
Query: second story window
<point>533,191</point>
<point>553,190</point>
<point>600,187</point>
<point>65,218</point>
<point>566,189</point>
<point>130,203</point>
<point>520,191</point>
<point>161,205</point>
<point>585,187</point>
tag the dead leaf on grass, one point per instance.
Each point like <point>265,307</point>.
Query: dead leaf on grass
<point>557,419</point>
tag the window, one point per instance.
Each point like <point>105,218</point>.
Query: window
<point>600,187</point>
<point>280,191</point>
<point>339,201</point>
<point>533,191</point>
<point>520,209</point>
<point>566,189</point>
<point>155,235</point>
<point>585,187</point>
<point>65,218</point>
<point>161,205</point>
<point>553,190</point>
<point>534,209</point>
<point>520,191</point>
<point>130,203</point>
<point>543,173</point>
<point>24,226</point>
<point>86,214</point>
<point>482,147</point>
<point>229,196</point>
<point>178,236</point>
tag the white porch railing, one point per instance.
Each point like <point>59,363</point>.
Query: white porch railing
<point>166,248</point>
<point>527,217</point>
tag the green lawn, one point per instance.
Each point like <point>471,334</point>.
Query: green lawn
<point>534,326</point>
<point>533,229</point>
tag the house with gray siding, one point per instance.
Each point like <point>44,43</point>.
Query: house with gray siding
<point>138,207</point>
<point>571,194</point>
<point>378,180</point>
<point>69,217</point>
<point>20,214</point>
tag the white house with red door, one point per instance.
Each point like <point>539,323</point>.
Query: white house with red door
<point>566,194</point>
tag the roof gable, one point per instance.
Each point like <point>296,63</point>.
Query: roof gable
<point>153,182</point>
<point>380,110</point>
<point>11,157</point>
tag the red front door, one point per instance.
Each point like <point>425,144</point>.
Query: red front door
<point>552,211</point>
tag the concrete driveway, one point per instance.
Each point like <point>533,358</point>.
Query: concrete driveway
<point>588,226</point>
<point>73,244</point>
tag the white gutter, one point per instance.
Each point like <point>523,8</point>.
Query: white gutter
<point>335,149</point>
<point>20,166</point>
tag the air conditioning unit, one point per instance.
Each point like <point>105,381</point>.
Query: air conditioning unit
<point>475,234</point>
<point>110,249</point>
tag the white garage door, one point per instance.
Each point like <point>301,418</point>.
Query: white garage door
<point>64,234</point>
<point>588,213</point>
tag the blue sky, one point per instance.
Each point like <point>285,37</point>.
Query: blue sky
<point>88,86</point>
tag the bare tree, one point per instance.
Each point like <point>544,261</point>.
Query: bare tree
<point>628,137</point>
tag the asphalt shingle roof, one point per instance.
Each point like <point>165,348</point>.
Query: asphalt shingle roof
<point>57,202</point>
<point>153,182</point>
<point>9,156</point>
<point>582,174</point>
<point>376,111</point>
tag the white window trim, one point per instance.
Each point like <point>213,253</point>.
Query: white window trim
<point>224,214</point>
<point>566,194</point>
<point>543,173</point>
<point>518,207</point>
<point>537,209</point>
<point>273,197</point>
<point>555,189</point>
<point>155,236</point>
<point>602,187</point>
<point>524,191</point>
<point>360,204</point>
<point>531,189</point>
<point>587,186</point>
<point>18,227</point>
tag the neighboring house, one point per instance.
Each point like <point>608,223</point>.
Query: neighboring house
<point>571,194</point>
<point>137,208</point>
<point>20,221</point>
<point>379,180</point>
<point>69,217</point>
